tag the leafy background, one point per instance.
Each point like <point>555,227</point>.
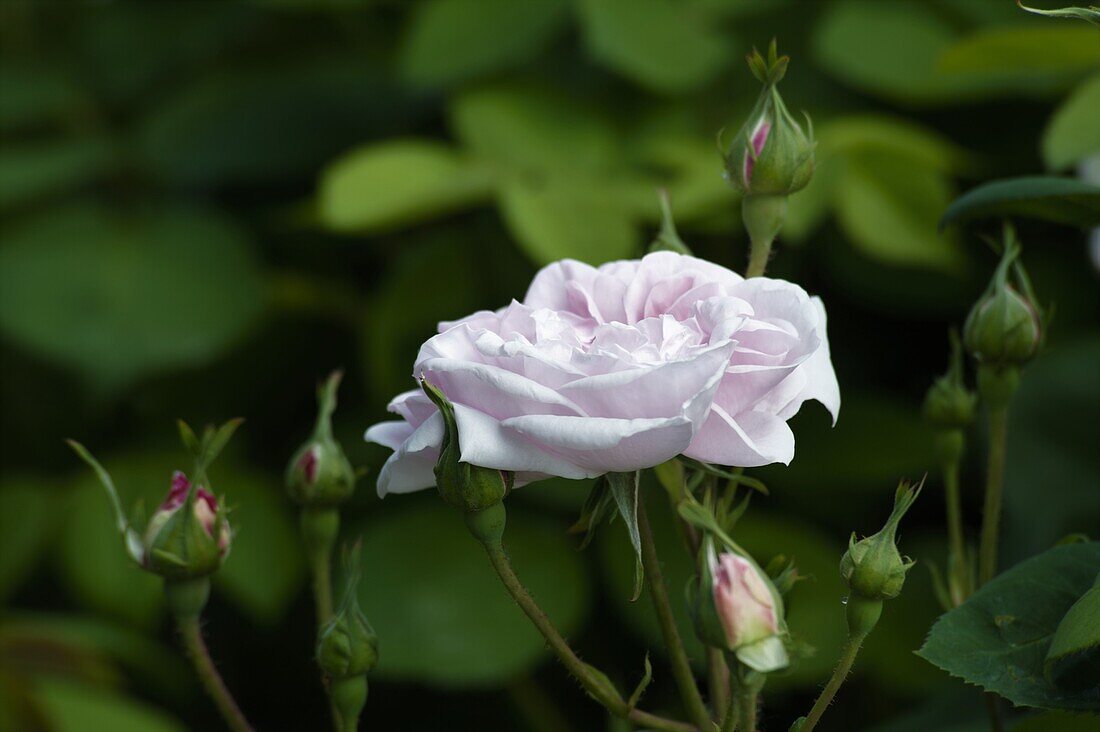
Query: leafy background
<point>207,206</point>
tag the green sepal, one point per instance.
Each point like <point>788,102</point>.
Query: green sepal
<point>667,239</point>
<point>1091,14</point>
<point>464,486</point>
<point>643,684</point>
<point>596,509</point>
<point>131,539</point>
<point>872,567</point>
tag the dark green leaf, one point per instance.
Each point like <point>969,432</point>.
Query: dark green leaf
<point>657,43</point>
<point>999,638</point>
<point>30,171</point>
<point>28,510</point>
<point>115,296</point>
<point>454,40</point>
<point>1062,200</point>
<point>441,612</point>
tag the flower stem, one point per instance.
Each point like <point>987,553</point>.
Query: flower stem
<point>957,563</point>
<point>718,681</point>
<point>746,710</point>
<point>319,528</point>
<point>681,667</point>
<point>763,216</point>
<point>191,633</point>
<point>994,492</point>
<point>594,682</point>
<point>843,667</point>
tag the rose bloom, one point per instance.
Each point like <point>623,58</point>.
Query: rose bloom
<point>618,368</point>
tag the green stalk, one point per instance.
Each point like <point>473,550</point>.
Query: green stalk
<point>844,666</point>
<point>594,682</point>
<point>319,528</point>
<point>718,681</point>
<point>681,666</point>
<point>209,676</point>
<point>958,566</point>
<point>994,492</point>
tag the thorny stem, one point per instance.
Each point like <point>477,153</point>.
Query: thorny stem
<point>191,634</point>
<point>593,681</point>
<point>844,666</point>
<point>681,666</point>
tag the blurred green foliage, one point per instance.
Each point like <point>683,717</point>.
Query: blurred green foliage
<point>208,206</point>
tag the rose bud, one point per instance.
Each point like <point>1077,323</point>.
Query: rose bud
<point>873,569</point>
<point>770,155</point>
<point>949,405</point>
<point>471,488</point>
<point>347,649</point>
<point>188,536</point>
<point>1005,328</point>
<point>736,608</point>
<point>319,473</point>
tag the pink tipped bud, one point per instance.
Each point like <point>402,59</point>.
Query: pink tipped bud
<point>757,139</point>
<point>205,511</point>
<point>745,605</point>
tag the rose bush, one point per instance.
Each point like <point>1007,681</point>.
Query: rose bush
<point>618,368</point>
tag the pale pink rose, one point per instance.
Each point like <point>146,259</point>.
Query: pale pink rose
<point>744,603</point>
<point>618,368</point>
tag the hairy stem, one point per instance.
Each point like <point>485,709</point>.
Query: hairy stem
<point>681,666</point>
<point>843,667</point>
<point>593,681</point>
<point>191,634</point>
<point>718,675</point>
<point>994,493</point>
<point>759,253</point>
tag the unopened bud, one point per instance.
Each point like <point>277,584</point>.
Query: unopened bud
<point>771,155</point>
<point>319,473</point>
<point>189,535</point>
<point>1005,328</point>
<point>949,405</point>
<point>873,568</point>
<point>736,608</point>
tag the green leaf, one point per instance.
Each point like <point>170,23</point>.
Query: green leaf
<point>1061,200</point>
<point>659,44</point>
<point>895,136</point>
<point>441,612</point>
<point>1022,58</point>
<point>115,296</point>
<point>269,125</point>
<point>533,128</point>
<point>562,219</point>
<point>27,515</point>
<point>1073,661</point>
<point>889,207</point>
<point>34,95</point>
<point>999,638</point>
<point>624,489</point>
<point>398,182</point>
<point>449,41</point>
<point>888,48</point>
<point>1059,721</point>
<point>1073,133</point>
<point>71,707</point>
<point>1090,14</point>
<point>33,170</point>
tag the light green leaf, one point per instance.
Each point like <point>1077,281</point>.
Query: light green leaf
<point>1073,661</point>
<point>1022,58</point>
<point>1062,200</point>
<point>114,295</point>
<point>30,171</point>
<point>27,515</point>
<point>71,707</point>
<point>889,207</point>
<point>1073,133</point>
<point>441,612</point>
<point>559,220</point>
<point>532,128</point>
<point>999,638</point>
<point>1090,14</point>
<point>888,47</point>
<point>895,136</point>
<point>394,183</point>
<point>454,40</point>
<point>659,44</point>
